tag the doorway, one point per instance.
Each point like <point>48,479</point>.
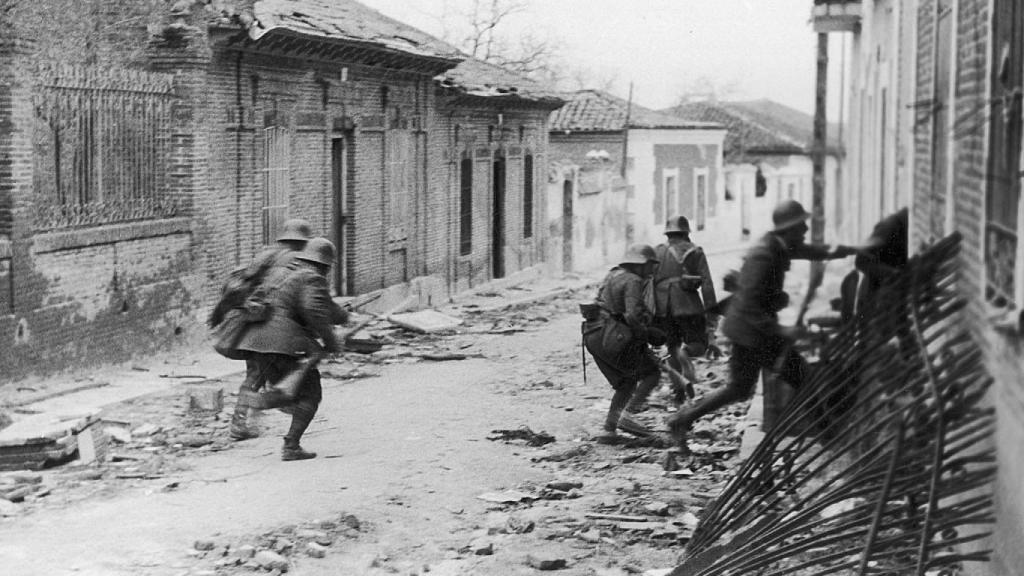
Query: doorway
<point>567,230</point>
<point>498,219</point>
<point>340,149</point>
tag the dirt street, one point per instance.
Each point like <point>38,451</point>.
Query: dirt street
<point>410,476</point>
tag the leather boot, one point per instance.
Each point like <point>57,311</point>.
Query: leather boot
<point>292,450</point>
<point>611,420</point>
<point>241,428</point>
<point>638,402</point>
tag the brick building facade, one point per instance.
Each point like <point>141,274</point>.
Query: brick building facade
<point>950,75</point>
<point>148,149</point>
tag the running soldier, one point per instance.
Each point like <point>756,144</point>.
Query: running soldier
<point>299,313</point>
<point>751,321</point>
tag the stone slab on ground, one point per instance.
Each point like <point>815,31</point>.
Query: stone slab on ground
<point>46,428</point>
<point>425,321</point>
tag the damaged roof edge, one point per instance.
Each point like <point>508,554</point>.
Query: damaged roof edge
<point>350,23</point>
<point>441,63</point>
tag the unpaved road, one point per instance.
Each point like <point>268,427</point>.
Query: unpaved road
<point>407,453</point>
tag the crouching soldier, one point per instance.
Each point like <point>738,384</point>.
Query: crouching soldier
<point>617,331</point>
<point>297,329</point>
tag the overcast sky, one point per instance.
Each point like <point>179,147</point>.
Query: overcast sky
<point>748,49</point>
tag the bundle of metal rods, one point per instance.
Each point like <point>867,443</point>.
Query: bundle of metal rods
<point>882,463</point>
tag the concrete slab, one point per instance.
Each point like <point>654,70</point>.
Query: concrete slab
<point>46,428</point>
<point>426,321</point>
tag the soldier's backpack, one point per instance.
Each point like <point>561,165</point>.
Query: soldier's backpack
<point>240,291</point>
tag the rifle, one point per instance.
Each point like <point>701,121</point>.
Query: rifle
<point>288,387</point>
<point>360,301</point>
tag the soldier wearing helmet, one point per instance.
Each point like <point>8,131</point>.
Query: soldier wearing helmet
<point>751,321</point>
<point>240,287</point>
<point>298,325</point>
<point>683,292</point>
<point>617,334</point>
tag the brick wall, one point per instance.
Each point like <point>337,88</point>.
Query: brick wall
<point>1003,350</point>
<point>79,296</point>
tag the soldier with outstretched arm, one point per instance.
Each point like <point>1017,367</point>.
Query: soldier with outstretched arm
<point>751,321</point>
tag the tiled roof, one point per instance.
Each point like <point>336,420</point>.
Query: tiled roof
<point>479,79</point>
<point>757,126</point>
<point>346,20</point>
<point>596,111</point>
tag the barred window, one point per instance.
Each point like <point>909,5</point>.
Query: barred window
<point>276,180</point>
<point>1004,184</point>
<point>101,147</point>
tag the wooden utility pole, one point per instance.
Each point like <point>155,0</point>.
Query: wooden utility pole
<point>819,144</point>
<point>625,131</point>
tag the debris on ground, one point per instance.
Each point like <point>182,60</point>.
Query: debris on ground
<point>523,433</point>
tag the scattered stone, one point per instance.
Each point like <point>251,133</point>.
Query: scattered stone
<point>195,440</point>
<point>283,545</point>
<point>245,551</point>
<point>16,494</point>
<point>481,547</point>
<point>206,400</point>
<point>506,497</point>
<point>118,434</point>
<point>315,550</point>
<point>271,561</point>
<point>546,562</point>
<point>24,477</point>
<point>564,486</point>
<point>657,508</point>
<point>146,430</point>
<point>204,545</point>
<point>307,534</point>
<point>351,521</point>
<point>519,525</point>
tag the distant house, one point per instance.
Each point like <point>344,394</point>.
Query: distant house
<point>767,159</point>
<point>641,167</point>
<point>149,160</point>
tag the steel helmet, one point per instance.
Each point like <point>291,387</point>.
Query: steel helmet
<point>319,250</point>
<point>296,230</point>
<point>787,214</point>
<point>639,254</point>
<point>677,225</point>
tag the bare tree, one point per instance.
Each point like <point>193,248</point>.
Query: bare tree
<point>480,29</point>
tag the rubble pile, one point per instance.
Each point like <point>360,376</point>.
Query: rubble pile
<point>274,552</point>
